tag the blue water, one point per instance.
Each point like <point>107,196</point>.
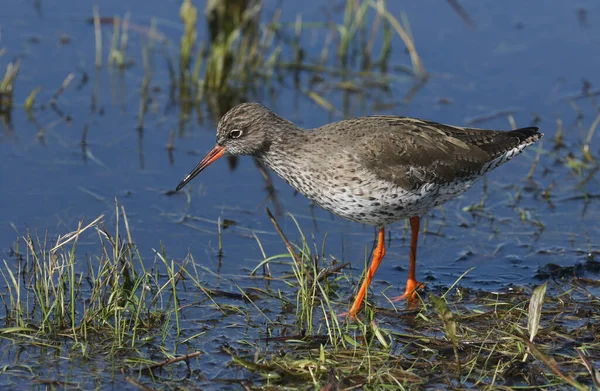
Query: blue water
<point>527,58</point>
<point>516,59</point>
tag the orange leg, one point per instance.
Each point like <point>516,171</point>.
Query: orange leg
<point>412,284</point>
<point>378,255</point>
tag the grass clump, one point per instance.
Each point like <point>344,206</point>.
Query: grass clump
<point>456,339</point>
<point>243,56</point>
<point>7,86</point>
<point>491,350</point>
<point>52,293</point>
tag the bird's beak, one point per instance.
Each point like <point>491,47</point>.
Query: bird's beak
<point>210,157</point>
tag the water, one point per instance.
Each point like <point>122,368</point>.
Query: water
<point>526,59</point>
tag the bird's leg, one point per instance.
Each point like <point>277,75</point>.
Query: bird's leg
<point>378,255</point>
<point>412,284</point>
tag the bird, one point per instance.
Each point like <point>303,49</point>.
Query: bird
<point>373,170</point>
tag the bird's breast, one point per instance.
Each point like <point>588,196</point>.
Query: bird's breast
<point>355,193</point>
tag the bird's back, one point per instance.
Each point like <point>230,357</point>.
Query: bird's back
<point>411,152</point>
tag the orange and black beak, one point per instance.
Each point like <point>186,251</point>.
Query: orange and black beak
<point>213,155</point>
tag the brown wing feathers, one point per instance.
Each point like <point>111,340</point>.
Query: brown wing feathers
<point>492,141</point>
<point>412,152</point>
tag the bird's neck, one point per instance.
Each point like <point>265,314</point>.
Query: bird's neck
<point>285,150</point>
<point>283,139</point>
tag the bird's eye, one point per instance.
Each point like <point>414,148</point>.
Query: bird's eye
<point>235,133</point>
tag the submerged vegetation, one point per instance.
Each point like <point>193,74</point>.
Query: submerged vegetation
<point>92,299</point>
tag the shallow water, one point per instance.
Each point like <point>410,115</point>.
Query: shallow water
<point>528,59</point>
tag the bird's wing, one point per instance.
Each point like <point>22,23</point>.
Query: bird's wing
<point>410,152</point>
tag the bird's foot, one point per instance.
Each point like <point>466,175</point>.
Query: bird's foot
<point>349,315</point>
<point>410,294</point>
<point>346,315</point>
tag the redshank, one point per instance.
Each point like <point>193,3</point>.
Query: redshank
<point>373,170</point>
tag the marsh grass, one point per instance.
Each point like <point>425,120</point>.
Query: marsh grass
<point>30,101</point>
<point>490,345</point>
<point>54,294</point>
<point>113,301</point>
<point>112,304</point>
<point>456,338</point>
<point>7,85</point>
<point>244,56</point>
